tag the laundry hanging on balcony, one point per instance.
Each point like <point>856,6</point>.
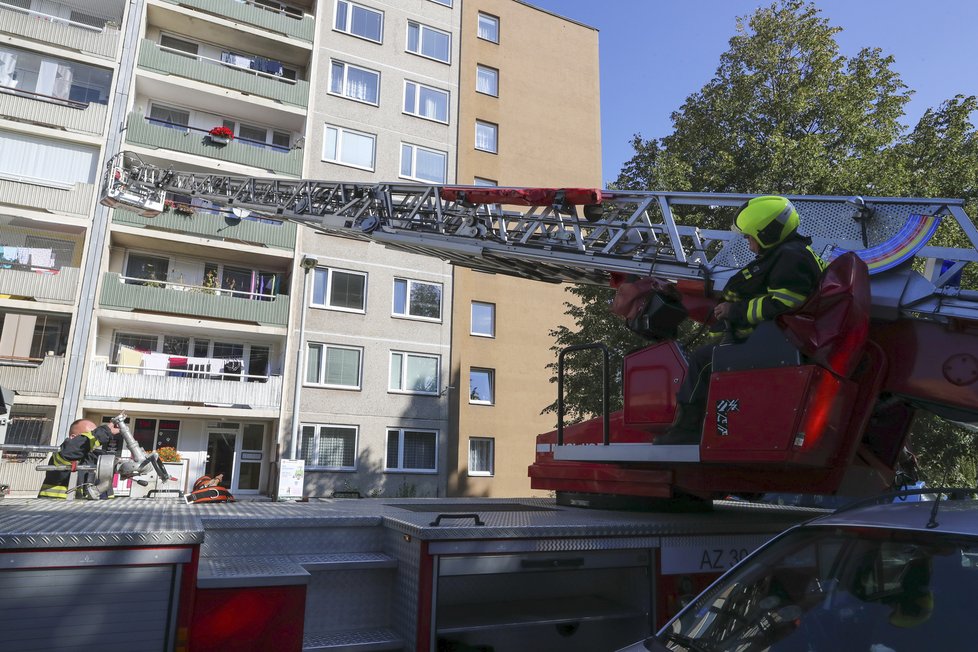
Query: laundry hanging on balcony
<point>270,66</point>
<point>37,259</point>
<point>130,360</point>
<point>156,364</point>
<point>236,59</point>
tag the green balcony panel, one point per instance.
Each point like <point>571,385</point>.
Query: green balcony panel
<point>117,295</point>
<point>76,200</point>
<point>42,379</point>
<point>280,236</point>
<point>53,288</point>
<point>142,132</point>
<point>90,120</point>
<point>102,43</point>
<point>151,57</point>
<point>243,12</point>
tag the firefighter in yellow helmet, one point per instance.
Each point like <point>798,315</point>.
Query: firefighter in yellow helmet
<point>784,274</point>
<point>82,446</point>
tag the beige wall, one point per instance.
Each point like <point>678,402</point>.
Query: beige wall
<point>549,135</point>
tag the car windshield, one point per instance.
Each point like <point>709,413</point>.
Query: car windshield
<point>839,589</point>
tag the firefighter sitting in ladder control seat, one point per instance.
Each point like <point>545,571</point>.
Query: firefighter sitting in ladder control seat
<point>782,277</point>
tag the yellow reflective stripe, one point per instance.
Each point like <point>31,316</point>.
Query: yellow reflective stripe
<point>729,295</point>
<point>746,273</point>
<point>818,259</point>
<point>787,297</point>
<point>754,307</point>
<point>53,491</point>
<point>60,461</point>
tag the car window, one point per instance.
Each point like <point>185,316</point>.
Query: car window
<point>838,589</point>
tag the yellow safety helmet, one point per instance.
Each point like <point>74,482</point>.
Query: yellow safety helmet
<point>769,220</point>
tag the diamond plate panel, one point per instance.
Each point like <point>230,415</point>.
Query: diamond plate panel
<point>373,640</point>
<point>348,599</point>
<point>404,610</point>
<point>34,523</point>
<point>249,571</point>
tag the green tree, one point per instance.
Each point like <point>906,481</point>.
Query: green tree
<point>784,110</point>
<point>594,322</point>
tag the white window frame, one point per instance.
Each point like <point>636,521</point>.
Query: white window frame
<point>399,468</point>
<point>492,457</point>
<point>479,69</point>
<point>339,147</point>
<point>472,330</point>
<point>348,28</point>
<point>329,290</point>
<point>495,138</point>
<point>409,283</point>
<point>414,164</point>
<point>491,373</point>
<point>416,112</point>
<point>319,427</point>
<point>406,355</point>
<point>346,68</point>
<point>494,20</point>
<point>421,32</point>
<point>320,381</point>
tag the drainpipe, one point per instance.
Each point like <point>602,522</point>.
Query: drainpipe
<point>308,264</point>
<point>81,334</point>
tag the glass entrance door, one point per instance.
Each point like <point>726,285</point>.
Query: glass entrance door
<point>220,457</point>
<point>237,451</point>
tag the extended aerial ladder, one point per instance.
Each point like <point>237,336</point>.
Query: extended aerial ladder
<point>920,342</point>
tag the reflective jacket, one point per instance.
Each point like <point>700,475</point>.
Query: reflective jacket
<point>81,449</point>
<point>778,280</point>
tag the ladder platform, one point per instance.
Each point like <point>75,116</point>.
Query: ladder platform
<point>344,561</point>
<point>359,640</point>
<point>250,571</point>
<point>627,453</point>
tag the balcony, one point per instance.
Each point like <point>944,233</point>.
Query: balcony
<point>190,140</point>
<point>38,26</point>
<point>76,200</point>
<point>243,11</point>
<point>185,300</point>
<point>55,286</point>
<point>108,382</point>
<point>32,379</point>
<point>211,71</point>
<point>208,225</point>
<point>29,107</point>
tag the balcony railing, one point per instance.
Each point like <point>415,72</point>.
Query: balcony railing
<point>32,379</point>
<point>157,134</point>
<point>40,284</point>
<point>280,235</point>
<point>76,200</point>
<point>40,26</point>
<point>40,109</point>
<point>180,299</point>
<point>212,71</point>
<point>110,382</point>
<point>247,12</point>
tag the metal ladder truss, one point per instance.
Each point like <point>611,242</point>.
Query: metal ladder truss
<point>579,235</point>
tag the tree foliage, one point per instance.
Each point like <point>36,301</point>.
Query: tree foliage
<point>786,112</point>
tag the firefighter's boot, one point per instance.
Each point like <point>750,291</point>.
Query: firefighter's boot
<point>687,427</point>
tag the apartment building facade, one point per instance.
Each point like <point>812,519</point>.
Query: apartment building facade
<point>529,116</point>
<point>236,340</point>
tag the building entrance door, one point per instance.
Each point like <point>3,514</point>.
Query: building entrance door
<point>238,451</point>
<point>220,456</point>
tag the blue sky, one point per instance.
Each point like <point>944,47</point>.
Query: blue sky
<point>654,53</point>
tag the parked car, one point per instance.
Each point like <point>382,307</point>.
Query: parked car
<point>872,577</point>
